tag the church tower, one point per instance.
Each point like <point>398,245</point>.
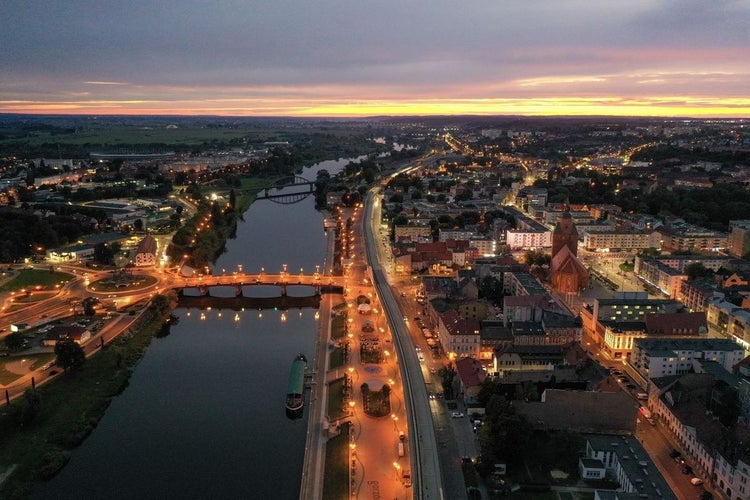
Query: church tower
<point>565,234</point>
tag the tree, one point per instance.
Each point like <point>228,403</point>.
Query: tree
<point>14,341</point>
<point>491,289</point>
<point>32,405</point>
<point>697,270</point>
<point>161,304</point>
<point>89,306</point>
<point>69,354</point>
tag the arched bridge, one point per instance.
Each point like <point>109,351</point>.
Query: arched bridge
<point>288,190</point>
<point>203,283</point>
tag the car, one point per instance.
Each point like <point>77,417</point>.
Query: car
<point>680,460</point>
<point>687,470</point>
<point>696,481</point>
<point>630,386</point>
<point>401,436</point>
<point>674,453</point>
<point>457,414</point>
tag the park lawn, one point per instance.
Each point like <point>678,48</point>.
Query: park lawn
<point>255,184</point>
<point>336,399</point>
<point>336,478</point>
<point>33,297</point>
<point>337,358</point>
<point>338,326</point>
<point>33,278</point>
<point>106,285</point>
<point>34,361</point>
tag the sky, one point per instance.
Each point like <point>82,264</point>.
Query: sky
<point>349,58</point>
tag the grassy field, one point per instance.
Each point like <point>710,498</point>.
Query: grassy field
<point>336,358</point>
<point>336,399</point>
<point>336,479</point>
<point>338,327</point>
<point>29,279</point>
<point>176,132</point>
<point>107,285</point>
<point>30,362</point>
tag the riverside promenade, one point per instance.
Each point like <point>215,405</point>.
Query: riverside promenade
<point>311,487</point>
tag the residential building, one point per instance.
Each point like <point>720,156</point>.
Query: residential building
<point>739,237</point>
<point>627,462</point>
<point>696,295</point>
<point>457,335</point>
<point>581,411</point>
<point>421,234</point>
<point>528,358</point>
<point>730,320</point>
<point>470,379</point>
<point>656,358</point>
<point>687,237</point>
<point>655,272</point>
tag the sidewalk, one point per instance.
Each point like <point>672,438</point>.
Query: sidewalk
<point>311,487</point>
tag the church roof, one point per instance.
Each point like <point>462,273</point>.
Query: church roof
<point>147,245</point>
<point>565,261</point>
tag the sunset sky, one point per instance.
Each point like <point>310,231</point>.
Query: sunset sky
<point>395,57</point>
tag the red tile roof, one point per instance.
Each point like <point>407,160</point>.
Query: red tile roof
<point>676,323</point>
<point>471,372</point>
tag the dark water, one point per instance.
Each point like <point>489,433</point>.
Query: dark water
<point>203,416</point>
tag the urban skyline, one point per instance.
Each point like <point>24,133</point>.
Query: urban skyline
<point>643,58</point>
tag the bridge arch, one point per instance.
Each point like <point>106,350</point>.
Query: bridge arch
<point>287,190</point>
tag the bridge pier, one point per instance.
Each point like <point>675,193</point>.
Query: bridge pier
<point>238,290</point>
<point>283,289</point>
<point>203,289</point>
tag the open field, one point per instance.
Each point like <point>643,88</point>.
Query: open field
<point>33,278</point>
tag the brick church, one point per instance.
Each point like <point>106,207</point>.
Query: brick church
<point>569,275</point>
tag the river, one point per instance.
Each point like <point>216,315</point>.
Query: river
<point>203,416</point>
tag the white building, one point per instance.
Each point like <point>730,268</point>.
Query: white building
<point>621,239</point>
<point>518,239</point>
<point>656,358</point>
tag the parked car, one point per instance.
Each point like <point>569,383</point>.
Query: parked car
<point>696,481</point>
<point>457,414</point>
<point>687,470</point>
<point>674,453</point>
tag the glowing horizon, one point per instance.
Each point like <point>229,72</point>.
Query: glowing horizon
<point>668,107</point>
<point>671,58</point>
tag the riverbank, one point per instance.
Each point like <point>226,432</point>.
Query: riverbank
<point>39,432</point>
<point>313,469</point>
<point>56,457</point>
